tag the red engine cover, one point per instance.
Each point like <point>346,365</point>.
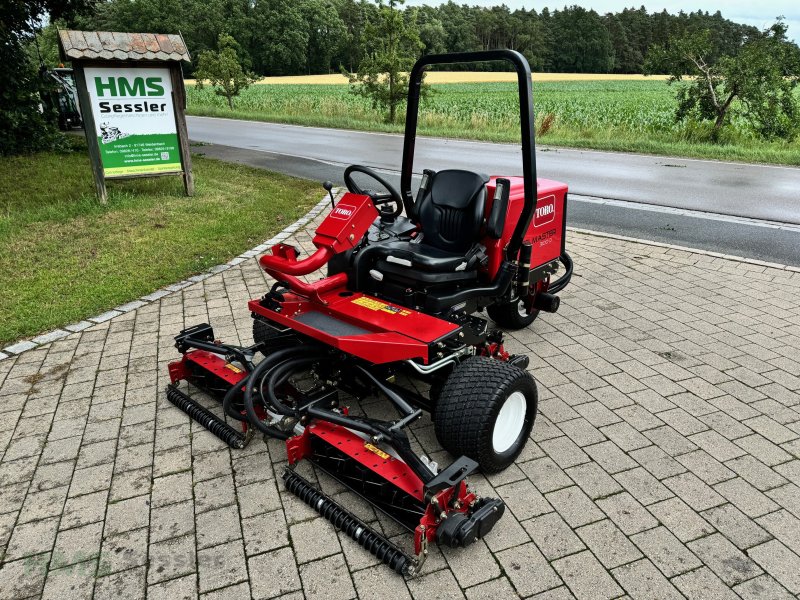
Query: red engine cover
<point>547,229</point>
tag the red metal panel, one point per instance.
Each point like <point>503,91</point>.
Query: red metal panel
<point>216,365</point>
<point>391,469</point>
<point>347,223</point>
<point>546,229</point>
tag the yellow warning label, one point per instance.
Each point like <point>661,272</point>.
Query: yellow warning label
<point>374,304</point>
<point>376,450</point>
<point>233,368</point>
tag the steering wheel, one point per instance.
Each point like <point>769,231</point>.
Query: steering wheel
<point>378,199</point>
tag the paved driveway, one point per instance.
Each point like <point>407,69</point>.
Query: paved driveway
<point>664,461</point>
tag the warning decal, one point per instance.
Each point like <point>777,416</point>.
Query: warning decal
<point>373,304</point>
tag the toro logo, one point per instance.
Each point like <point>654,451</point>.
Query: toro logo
<point>343,211</point>
<point>545,211</point>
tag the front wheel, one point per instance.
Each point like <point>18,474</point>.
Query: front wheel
<point>486,411</point>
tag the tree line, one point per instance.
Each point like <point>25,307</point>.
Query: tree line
<point>299,37</point>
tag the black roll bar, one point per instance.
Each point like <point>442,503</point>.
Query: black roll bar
<point>525,87</point>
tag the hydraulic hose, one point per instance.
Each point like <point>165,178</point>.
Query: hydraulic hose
<point>560,283</point>
<point>260,371</point>
<point>230,396</point>
<point>278,375</point>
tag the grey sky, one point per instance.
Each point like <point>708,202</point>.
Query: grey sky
<point>760,14</point>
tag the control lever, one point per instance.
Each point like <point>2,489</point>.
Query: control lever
<point>328,185</point>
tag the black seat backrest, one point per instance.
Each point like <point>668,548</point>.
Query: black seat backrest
<point>450,210</point>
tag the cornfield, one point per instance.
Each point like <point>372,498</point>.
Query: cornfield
<point>585,106</point>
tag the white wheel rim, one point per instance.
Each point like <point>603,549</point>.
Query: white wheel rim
<point>509,423</point>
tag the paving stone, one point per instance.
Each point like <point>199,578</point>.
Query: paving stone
<point>77,545</point>
<point>221,566</point>
<point>727,561</point>
<point>643,486</point>
<point>172,488</point>
<point>608,544</point>
<point>125,515</point>
<point>265,532</point>
<point>273,574</point>
<point>780,562</point>
<point>745,497</point>
<point>472,565</point>
<point>553,536</point>
<point>523,499</point>
<point>593,480</point>
<point>586,577</point>
<point>233,592</point>
<point>313,540</point>
<point>171,558</point>
<point>442,581</point>
<point>574,506</point>
<point>702,584</point>
<point>182,588</point>
<point>737,526</point>
<point>788,496</point>
<point>74,582</point>
<point>666,551</point>
<point>564,452</point>
<point>32,538</point>
<point>497,589</point>
<point>642,581</point>
<point>123,551</point>
<point>527,569</point>
<point>218,526</point>
<point>23,578</point>
<point>762,587</point>
<point>128,584</point>
<point>784,526</point>
<point>693,491</point>
<point>173,520</point>
<point>630,516</point>
<point>546,475</point>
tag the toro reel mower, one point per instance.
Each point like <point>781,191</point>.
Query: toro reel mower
<point>408,278</point>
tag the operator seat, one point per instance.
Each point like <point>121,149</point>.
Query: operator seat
<point>450,211</point>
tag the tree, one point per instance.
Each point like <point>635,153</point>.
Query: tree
<point>280,37</point>
<point>756,82</point>
<point>223,70</point>
<point>325,34</point>
<point>24,126</point>
<point>382,75</point>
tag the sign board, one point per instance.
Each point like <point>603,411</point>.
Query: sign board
<point>134,120</point>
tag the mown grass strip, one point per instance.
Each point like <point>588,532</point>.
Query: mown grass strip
<point>65,257</point>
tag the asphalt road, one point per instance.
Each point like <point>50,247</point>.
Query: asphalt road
<point>741,209</point>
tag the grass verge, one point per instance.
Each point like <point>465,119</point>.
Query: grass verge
<point>65,257</point>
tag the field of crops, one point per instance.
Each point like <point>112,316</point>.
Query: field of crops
<point>627,115</point>
<point>642,106</point>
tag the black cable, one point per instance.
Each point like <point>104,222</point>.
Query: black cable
<point>227,402</point>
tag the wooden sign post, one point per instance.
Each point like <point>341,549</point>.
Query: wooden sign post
<point>133,102</point>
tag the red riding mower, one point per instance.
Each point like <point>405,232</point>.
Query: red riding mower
<point>402,301</point>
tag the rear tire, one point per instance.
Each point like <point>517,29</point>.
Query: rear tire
<point>486,411</point>
<point>512,315</point>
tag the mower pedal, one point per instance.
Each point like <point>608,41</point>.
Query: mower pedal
<point>207,419</point>
<point>366,537</point>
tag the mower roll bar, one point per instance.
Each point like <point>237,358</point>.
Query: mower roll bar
<point>527,132</point>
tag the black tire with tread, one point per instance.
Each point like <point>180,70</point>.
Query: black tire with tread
<point>507,316</point>
<point>468,406</point>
